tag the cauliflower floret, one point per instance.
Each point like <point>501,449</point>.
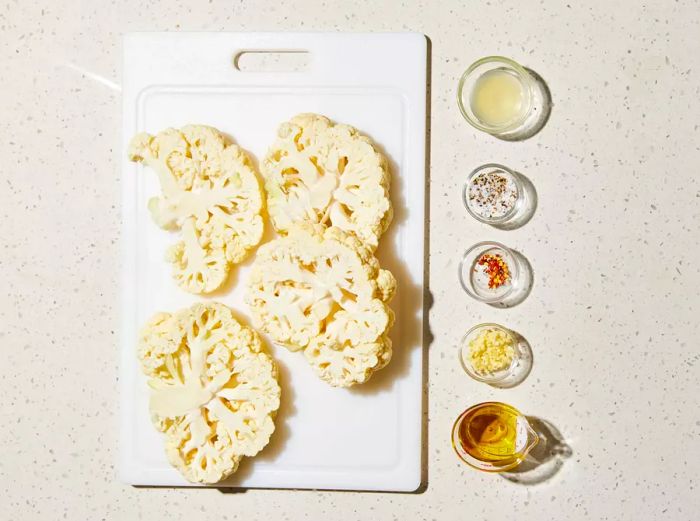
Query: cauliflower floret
<point>214,391</point>
<point>210,192</point>
<point>319,172</point>
<point>157,343</point>
<point>353,346</point>
<point>321,290</point>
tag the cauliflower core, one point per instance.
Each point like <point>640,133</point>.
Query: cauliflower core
<point>211,193</point>
<point>214,392</point>
<point>321,290</point>
<point>318,172</point>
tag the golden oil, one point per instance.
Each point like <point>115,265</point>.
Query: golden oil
<point>493,436</point>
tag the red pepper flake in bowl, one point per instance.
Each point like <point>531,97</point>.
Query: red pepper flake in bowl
<point>496,268</point>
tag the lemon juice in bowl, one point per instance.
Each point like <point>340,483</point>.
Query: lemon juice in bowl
<point>499,98</point>
<point>503,98</point>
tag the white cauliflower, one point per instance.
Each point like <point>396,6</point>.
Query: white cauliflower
<point>210,192</point>
<point>321,290</point>
<point>318,172</point>
<point>214,391</point>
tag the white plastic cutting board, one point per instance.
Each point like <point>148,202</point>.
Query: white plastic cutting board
<point>364,438</point>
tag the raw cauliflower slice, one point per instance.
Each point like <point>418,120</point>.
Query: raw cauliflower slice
<point>321,290</point>
<point>214,391</point>
<point>318,172</point>
<point>210,192</point>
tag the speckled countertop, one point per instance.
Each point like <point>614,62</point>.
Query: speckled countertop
<point>612,319</point>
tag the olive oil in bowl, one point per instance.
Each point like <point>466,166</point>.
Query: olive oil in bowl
<point>493,437</point>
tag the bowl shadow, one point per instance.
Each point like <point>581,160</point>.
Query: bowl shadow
<point>531,206</point>
<point>521,294</point>
<point>545,96</point>
<point>524,364</point>
<point>545,460</point>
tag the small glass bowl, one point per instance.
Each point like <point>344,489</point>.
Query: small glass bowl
<point>505,172</point>
<point>468,81</point>
<point>523,207</point>
<point>509,376</point>
<point>493,459</point>
<point>536,100</point>
<point>475,283</point>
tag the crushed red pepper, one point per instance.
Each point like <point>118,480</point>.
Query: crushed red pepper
<point>496,269</point>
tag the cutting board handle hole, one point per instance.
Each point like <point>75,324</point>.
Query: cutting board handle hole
<point>272,61</point>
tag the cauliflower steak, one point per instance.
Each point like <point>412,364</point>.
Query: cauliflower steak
<point>214,390</point>
<point>211,193</point>
<point>318,172</point>
<point>321,290</point>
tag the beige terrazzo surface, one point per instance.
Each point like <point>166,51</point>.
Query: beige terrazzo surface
<point>612,319</point>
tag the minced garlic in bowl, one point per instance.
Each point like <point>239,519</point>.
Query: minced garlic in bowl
<point>492,350</point>
<point>487,352</point>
